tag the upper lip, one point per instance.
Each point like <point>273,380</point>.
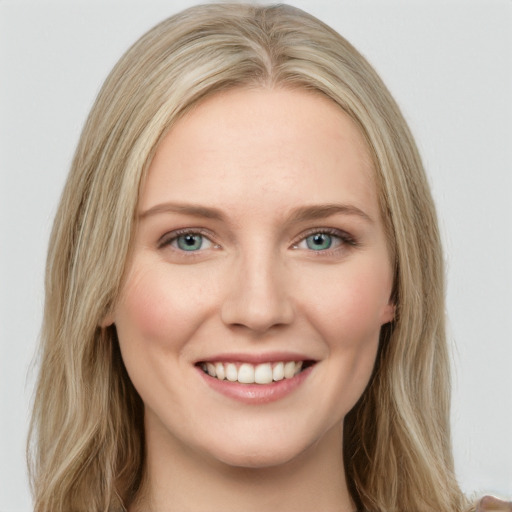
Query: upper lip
<point>268,357</point>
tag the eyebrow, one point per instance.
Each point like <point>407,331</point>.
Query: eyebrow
<point>185,209</point>
<point>300,214</point>
<point>322,211</point>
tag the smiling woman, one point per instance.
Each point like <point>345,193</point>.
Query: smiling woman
<point>241,297</point>
<point>292,345</point>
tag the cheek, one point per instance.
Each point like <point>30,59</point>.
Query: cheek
<point>351,303</point>
<point>349,315</point>
<point>160,307</point>
<point>159,310</point>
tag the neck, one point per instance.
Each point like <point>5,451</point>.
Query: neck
<point>177,481</point>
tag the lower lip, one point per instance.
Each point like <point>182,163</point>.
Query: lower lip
<point>256,393</point>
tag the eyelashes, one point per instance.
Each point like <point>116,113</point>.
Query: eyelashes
<point>324,239</point>
<point>191,241</point>
<point>188,240</point>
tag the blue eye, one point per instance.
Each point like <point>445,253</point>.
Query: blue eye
<point>319,241</point>
<point>189,242</point>
<point>327,239</point>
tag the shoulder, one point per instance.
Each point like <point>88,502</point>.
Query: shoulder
<point>492,504</point>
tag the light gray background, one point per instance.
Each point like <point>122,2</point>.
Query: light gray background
<point>448,63</point>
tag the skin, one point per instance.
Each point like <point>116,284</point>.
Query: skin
<point>256,286</point>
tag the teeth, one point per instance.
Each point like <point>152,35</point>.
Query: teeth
<point>278,372</point>
<point>220,371</point>
<point>263,374</point>
<point>246,373</point>
<point>289,370</point>
<point>231,372</point>
<point>211,369</point>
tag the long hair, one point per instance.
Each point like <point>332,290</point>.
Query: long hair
<point>87,440</point>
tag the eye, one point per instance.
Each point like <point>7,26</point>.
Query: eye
<point>188,241</point>
<point>319,241</point>
<point>324,240</point>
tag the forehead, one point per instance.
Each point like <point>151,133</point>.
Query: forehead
<point>278,146</point>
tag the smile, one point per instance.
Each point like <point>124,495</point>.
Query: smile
<point>247,373</point>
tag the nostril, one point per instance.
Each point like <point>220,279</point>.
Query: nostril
<point>257,303</point>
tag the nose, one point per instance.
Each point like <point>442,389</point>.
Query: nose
<point>258,295</point>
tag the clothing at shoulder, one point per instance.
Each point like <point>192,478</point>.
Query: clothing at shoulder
<point>492,504</point>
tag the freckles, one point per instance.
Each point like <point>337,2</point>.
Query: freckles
<point>369,290</point>
<point>163,305</point>
<point>156,307</point>
<point>348,306</point>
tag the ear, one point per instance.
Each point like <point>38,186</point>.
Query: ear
<point>388,313</point>
<point>107,320</point>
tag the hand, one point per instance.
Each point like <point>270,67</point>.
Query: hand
<point>492,504</point>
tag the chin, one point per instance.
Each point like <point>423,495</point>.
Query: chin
<point>258,459</point>
<point>266,452</point>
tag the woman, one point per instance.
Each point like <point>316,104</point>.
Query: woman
<point>245,285</point>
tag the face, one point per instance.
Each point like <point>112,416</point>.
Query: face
<point>260,278</point>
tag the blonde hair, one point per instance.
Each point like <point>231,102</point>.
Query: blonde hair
<point>87,425</point>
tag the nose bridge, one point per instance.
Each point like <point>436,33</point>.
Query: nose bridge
<point>258,296</point>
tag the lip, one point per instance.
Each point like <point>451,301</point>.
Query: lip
<point>256,394</point>
<point>270,357</point>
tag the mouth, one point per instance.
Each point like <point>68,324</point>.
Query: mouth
<point>247,373</point>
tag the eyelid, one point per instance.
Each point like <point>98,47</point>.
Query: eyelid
<point>346,238</point>
<point>166,239</point>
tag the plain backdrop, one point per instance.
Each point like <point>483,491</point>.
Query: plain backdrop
<point>448,63</point>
